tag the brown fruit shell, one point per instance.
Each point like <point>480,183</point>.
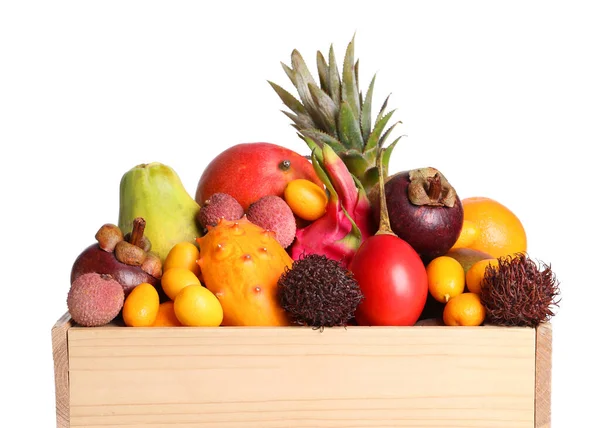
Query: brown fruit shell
<point>94,259</point>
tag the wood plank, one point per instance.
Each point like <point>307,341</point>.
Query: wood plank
<point>543,375</point>
<point>60,355</point>
<point>280,377</point>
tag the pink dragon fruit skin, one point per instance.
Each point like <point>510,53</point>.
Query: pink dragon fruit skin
<point>347,220</point>
<point>350,191</point>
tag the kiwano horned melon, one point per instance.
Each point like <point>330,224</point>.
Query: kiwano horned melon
<point>241,264</point>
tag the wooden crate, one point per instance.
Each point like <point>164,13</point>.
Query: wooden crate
<point>421,376</point>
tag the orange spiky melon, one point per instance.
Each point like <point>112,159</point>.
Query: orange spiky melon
<point>241,264</point>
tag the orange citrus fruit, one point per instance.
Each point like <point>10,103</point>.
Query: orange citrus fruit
<point>141,306</point>
<point>446,278</point>
<point>197,306</point>
<point>468,234</point>
<point>166,316</point>
<point>465,310</point>
<point>307,200</point>
<point>176,279</point>
<point>476,272</point>
<point>501,232</point>
<point>183,255</point>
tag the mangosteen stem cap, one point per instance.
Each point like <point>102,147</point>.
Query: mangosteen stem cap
<point>137,232</point>
<point>428,186</point>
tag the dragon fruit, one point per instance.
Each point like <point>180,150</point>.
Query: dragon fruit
<point>347,221</point>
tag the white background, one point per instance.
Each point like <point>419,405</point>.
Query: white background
<point>502,97</point>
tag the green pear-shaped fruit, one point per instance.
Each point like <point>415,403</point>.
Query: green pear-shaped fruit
<point>155,192</point>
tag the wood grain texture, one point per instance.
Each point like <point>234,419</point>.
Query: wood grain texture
<point>61,369</point>
<point>543,375</point>
<point>258,377</point>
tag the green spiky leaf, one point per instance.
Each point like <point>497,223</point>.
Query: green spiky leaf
<point>301,74</point>
<point>365,119</point>
<point>326,106</point>
<point>288,99</point>
<point>308,102</point>
<point>301,121</point>
<point>382,109</point>
<point>300,67</point>
<point>334,79</point>
<point>349,85</point>
<point>323,72</point>
<point>312,145</point>
<point>304,80</point>
<point>290,73</point>
<point>323,138</point>
<point>386,134</point>
<point>387,153</point>
<point>373,140</point>
<point>360,99</point>
<point>371,177</point>
<point>349,128</point>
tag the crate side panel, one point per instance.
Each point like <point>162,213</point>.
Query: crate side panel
<point>271,378</point>
<point>543,375</point>
<point>60,357</point>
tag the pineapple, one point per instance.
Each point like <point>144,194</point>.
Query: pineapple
<point>335,113</point>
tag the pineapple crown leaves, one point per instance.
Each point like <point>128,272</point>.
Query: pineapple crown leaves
<point>334,111</point>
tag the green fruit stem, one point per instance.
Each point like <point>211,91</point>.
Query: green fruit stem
<point>384,218</point>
